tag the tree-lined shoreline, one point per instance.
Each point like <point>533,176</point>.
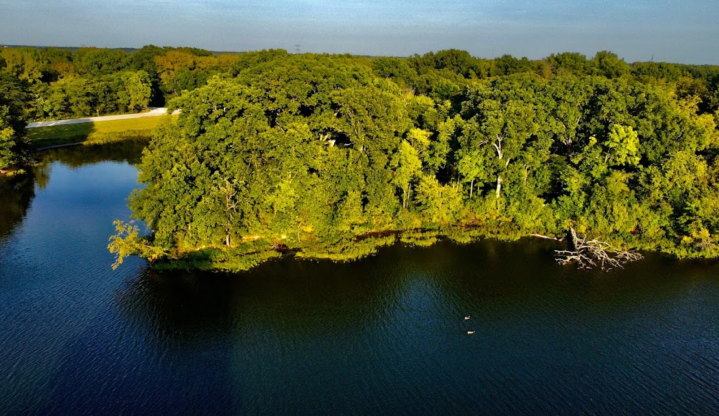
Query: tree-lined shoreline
<point>319,154</point>
<point>330,156</point>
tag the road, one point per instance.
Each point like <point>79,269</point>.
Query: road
<point>154,112</point>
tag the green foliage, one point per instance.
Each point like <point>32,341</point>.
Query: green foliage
<point>345,249</point>
<point>7,142</point>
<point>97,61</point>
<point>13,144</point>
<point>419,238</point>
<point>22,63</point>
<point>74,97</point>
<point>406,164</point>
<point>568,62</point>
<point>622,146</point>
<point>438,203</point>
<point>608,64</point>
<point>127,242</point>
<point>327,156</point>
<point>321,157</point>
<point>136,92</point>
<point>213,259</point>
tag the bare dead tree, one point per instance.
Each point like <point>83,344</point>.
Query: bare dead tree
<point>588,254</point>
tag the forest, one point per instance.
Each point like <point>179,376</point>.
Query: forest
<point>332,156</point>
<point>39,84</point>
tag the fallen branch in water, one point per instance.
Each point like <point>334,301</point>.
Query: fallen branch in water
<point>592,253</point>
<point>545,237</point>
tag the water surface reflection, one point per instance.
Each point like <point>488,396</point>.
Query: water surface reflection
<point>389,331</point>
<point>384,335</point>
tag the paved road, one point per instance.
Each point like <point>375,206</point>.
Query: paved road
<point>154,112</point>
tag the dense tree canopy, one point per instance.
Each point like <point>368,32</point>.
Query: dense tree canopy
<point>328,156</point>
<point>13,147</point>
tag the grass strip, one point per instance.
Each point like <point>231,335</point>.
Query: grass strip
<point>93,132</point>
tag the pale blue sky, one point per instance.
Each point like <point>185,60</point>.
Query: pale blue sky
<point>670,30</point>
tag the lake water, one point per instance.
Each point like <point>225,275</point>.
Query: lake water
<point>382,336</point>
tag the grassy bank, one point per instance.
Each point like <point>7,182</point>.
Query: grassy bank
<point>93,132</point>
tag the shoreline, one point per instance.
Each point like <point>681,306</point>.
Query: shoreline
<point>358,247</point>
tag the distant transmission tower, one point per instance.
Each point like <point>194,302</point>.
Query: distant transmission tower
<point>297,49</point>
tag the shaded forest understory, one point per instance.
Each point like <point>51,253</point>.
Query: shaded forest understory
<point>331,156</point>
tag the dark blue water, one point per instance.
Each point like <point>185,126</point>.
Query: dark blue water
<point>383,336</point>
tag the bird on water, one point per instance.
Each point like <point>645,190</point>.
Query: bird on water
<point>470,332</point>
<point>466,318</point>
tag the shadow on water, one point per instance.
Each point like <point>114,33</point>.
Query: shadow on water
<point>212,343</point>
<point>287,292</point>
<point>383,335</point>
<point>386,335</point>
<point>17,195</point>
<point>125,365</point>
<point>129,151</point>
<point>283,295</point>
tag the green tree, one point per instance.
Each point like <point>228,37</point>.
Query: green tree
<point>13,144</point>
<point>407,165</point>
<point>609,65</point>
<point>327,155</point>
<point>137,91</point>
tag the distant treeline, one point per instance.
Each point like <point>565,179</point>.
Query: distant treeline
<point>88,81</point>
<point>56,83</point>
<point>62,83</point>
<point>329,156</point>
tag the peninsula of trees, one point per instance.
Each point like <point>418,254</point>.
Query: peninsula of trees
<point>331,156</point>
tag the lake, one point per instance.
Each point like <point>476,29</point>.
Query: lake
<point>386,335</point>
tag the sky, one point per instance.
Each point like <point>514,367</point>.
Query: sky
<point>683,31</point>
